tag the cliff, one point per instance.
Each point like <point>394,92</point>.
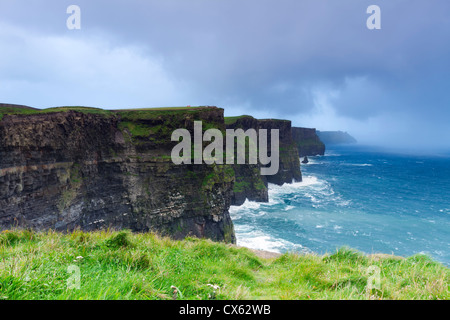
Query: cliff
<point>289,159</point>
<point>68,168</point>
<point>250,184</point>
<point>335,137</point>
<point>308,142</point>
<point>76,167</point>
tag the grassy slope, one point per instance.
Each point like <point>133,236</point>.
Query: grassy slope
<point>121,265</point>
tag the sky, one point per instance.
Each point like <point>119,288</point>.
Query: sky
<point>314,62</point>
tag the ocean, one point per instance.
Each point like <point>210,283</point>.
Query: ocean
<point>359,197</point>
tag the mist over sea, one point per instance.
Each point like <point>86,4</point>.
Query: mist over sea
<point>370,200</point>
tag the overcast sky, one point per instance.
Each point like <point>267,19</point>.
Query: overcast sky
<point>314,62</point>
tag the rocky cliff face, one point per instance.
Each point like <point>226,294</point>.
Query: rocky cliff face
<point>250,184</point>
<point>67,168</point>
<point>308,142</point>
<point>70,169</point>
<point>289,158</point>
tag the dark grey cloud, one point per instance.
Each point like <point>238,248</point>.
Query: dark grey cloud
<point>289,58</point>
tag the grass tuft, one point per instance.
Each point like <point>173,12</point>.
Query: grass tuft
<point>347,255</point>
<point>119,240</point>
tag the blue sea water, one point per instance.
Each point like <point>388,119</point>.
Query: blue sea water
<point>373,201</point>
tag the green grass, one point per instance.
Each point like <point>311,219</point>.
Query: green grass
<point>162,109</point>
<point>122,265</point>
<point>144,124</point>
<point>259,185</point>
<point>231,120</point>
<point>156,113</point>
<point>27,111</point>
<point>241,185</point>
<point>136,129</point>
<point>157,124</point>
<point>79,109</point>
<point>143,113</point>
<point>13,110</point>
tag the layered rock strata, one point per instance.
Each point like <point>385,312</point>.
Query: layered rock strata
<point>70,169</point>
<point>250,184</point>
<point>73,167</point>
<point>308,142</point>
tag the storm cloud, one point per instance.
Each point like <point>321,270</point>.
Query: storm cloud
<point>311,61</point>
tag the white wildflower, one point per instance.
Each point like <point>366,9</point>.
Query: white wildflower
<point>214,286</point>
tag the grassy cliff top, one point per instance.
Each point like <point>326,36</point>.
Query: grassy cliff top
<point>122,265</point>
<point>234,119</point>
<point>231,120</point>
<point>151,113</point>
<point>129,113</point>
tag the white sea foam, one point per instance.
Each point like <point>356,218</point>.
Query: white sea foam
<point>251,205</point>
<point>257,239</point>
<point>247,206</point>
<point>332,154</point>
<point>358,164</point>
<point>337,228</point>
<point>294,187</point>
<point>314,160</point>
<point>439,252</point>
<point>262,242</point>
<point>319,191</point>
<point>247,209</point>
<point>343,203</point>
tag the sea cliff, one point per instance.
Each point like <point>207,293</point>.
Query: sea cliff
<point>250,184</point>
<point>308,142</point>
<point>335,137</point>
<point>91,169</point>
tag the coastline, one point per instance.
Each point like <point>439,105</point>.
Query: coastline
<point>357,198</point>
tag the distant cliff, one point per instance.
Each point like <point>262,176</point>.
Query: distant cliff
<point>335,137</point>
<point>250,184</point>
<point>74,167</point>
<point>308,142</point>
